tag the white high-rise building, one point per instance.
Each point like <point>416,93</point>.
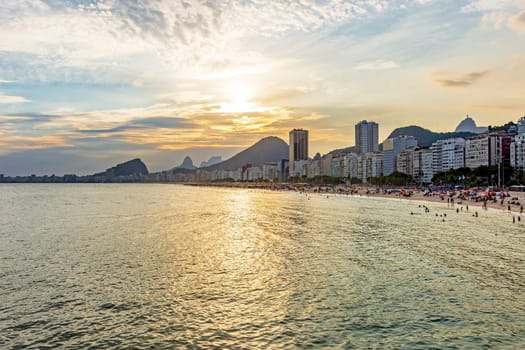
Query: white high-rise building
<point>448,154</point>
<point>370,165</point>
<point>366,137</point>
<point>351,163</point>
<point>477,152</point>
<point>423,170</point>
<point>416,163</point>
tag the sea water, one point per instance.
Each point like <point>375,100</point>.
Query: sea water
<point>172,266</point>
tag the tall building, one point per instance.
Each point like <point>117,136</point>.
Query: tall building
<point>298,148</point>
<point>477,152</point>
<point>370,165</point>
<point>392,147</point>
<point>366,137</point>
<point>517,152</point>
<point>448,154</point>
<point>423,171</point>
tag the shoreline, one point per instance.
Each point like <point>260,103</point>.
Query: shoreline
<point>370,191</point>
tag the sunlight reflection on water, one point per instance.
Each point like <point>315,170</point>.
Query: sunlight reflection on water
<point>174,266</point>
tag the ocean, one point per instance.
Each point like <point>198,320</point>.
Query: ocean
<point>171,266</point>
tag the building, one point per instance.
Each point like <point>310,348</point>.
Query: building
<point>337,166</point>
<point>416,162</point>
<point>366,137</point>
<point>283,169</point>
<point>326,164</point>
<point>298,150</point>
<point>392,147</point>
<point>317,165</point>
<point>301,168</point>
<point>488,150</point>
<point>499,148</point>
<point>405,161</point>
<point>521,126</point>
<point>477,151</point>
<point>423,170</point>
<point>448,154</point>
<point>517,152</point>
<point>371,165</point>
<point>270,171</point>
<point>351,165</point>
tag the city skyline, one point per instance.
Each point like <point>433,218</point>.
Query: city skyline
<point>87,85</point>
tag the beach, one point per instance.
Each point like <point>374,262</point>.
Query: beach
<point>513,201</point>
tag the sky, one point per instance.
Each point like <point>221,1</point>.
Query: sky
<point>86,84</point>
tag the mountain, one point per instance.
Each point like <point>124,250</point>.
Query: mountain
<point>266,150</point>
<point>187,163</point>
<point>212,161</point>
<point>469,125</point>
<point>132,167</point>
<point>339,151</point>
<point>425,137</point>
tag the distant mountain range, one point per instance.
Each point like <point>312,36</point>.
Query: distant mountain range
<point>212,161</point>
<point>187,164</point>
<point>266,150</point>
<point>425,137</point>
<point>271,149</point>
<point>131,167</point>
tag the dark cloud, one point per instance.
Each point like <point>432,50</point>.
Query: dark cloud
<point>146,123</point>
<point>27,118</point>
<point>464,80</point>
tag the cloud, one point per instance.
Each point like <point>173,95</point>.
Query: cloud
<point>26,118</point>
<point>517,22</point>
<point>12,99</point>
<point>145,123</point>
<point>119,35</point>
<point>498,14</point>
<point>489,5</point>
<point>15,143</point>
<point>494,20</point>
<point>463,80</point>
<point>499,20</point>
<point>377,65</point>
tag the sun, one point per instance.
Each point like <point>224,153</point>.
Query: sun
<point>238,98</point>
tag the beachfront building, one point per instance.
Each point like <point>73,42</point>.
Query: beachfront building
<point>270,171</point>
<point>371,165</point>
<point>488,149</point>
<point>337,166</point>
<point>351,165</point>
<point>448,154</point>
<point>326,164</point>
<point>283,169</point>
<point>477,151</point>
<point>499,148</point>
<point>416,162</point>
<point>366,137</point>
<point>423,170</point>
<point>298,148</point>
<point>405,161</point>
<point>392,147</point>
<point>317,166</point>
<point>517,152</point>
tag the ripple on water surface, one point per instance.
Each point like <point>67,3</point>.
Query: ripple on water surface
<point>174,266</point>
